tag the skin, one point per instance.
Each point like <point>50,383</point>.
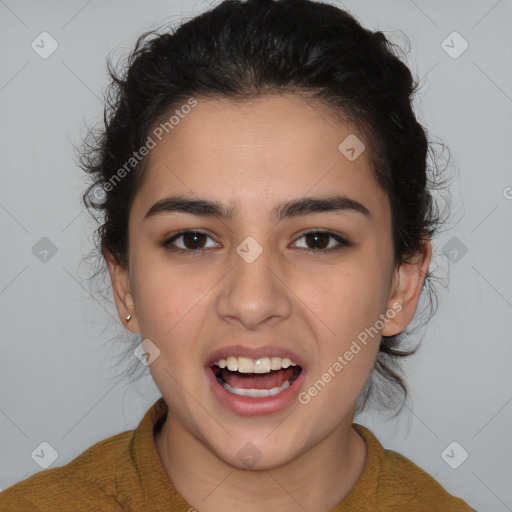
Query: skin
<point>253,156</point>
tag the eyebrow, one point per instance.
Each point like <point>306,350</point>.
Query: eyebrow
<point>293,208</point>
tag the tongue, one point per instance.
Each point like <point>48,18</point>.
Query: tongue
<point>274,379</point>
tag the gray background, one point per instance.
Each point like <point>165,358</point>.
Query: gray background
<point>57,369</point>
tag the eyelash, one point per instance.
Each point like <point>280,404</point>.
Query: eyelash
<point>168,243</point>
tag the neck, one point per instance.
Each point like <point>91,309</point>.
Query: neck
<point>317,480</point>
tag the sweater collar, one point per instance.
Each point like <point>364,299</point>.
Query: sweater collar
<point>158,491</point>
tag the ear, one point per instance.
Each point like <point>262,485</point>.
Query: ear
<point>406,289</point>
<point>121,286</point>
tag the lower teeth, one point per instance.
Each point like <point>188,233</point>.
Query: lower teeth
<point>255,393</point>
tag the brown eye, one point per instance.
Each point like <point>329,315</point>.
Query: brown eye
<point>323,241</point>
<point>318,240</point>
<point>191,241</point>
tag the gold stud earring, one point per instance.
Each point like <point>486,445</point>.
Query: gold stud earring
<point>128,318</point>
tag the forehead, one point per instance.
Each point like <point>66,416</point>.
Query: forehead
<point>260,152</point>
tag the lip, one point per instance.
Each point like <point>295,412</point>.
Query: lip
<point>247,406</point>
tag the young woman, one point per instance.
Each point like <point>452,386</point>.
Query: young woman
<point>267,226</point>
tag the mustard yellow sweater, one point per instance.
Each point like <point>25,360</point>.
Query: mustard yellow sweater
<point>124,472</point>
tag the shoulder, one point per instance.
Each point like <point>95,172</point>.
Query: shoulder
<point>88,482</point>
<point>414,486</point>
<point>399,482</point>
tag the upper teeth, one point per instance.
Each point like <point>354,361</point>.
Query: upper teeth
<point>261,365</point>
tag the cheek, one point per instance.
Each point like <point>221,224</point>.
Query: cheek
<point>347,299</point>
<point>164,295</point>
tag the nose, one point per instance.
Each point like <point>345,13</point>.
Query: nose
<point>254,292</point>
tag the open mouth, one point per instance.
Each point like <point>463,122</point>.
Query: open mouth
<point>255,378</point>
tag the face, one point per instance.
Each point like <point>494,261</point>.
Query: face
<point>256,319</point>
